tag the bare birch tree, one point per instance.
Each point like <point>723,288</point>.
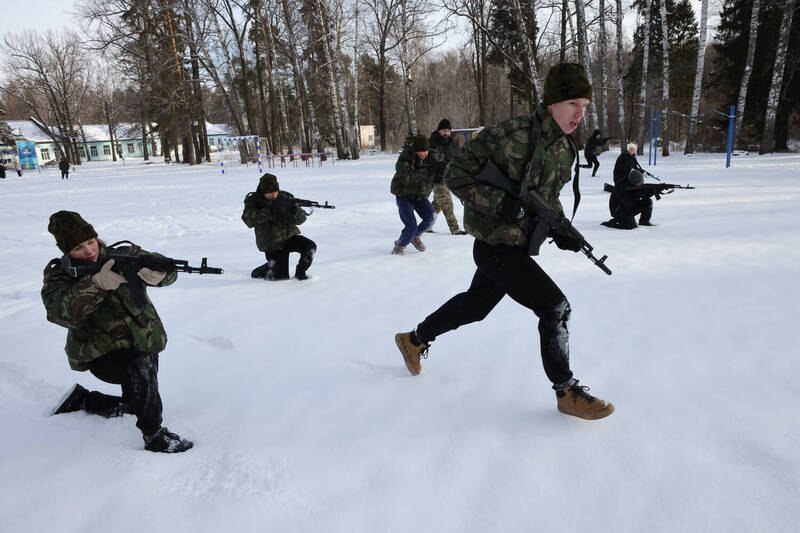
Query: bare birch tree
<point>603,69</point>
<point>645,62</point>
<point>748,70</point>
<point>775,88</point>
<point>584,57</point>
<point>623,135</point>
<point>698,76</point>
<point>664,78</point>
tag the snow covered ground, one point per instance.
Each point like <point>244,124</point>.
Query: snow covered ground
<point>305,419</point>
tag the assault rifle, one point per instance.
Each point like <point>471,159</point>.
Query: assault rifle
<point>129,265</point>
<point>259,201</point>
<point>652,189</point>
<point>548,218</point>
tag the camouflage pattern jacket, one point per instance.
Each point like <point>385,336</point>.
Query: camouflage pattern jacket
<point>507,144</point>
<point>273,222</point>
<point>413,177</point>
<point>99,321</point>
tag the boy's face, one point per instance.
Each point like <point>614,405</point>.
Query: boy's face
<point>87,250</point>
<point>422,155</point>
<point>271,195</point>
<point>568,114</point>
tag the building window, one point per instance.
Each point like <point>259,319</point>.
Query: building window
<point>210,142</point>
<point>82,152</point>
<point>131,149</point>
<point>106,149</point>
<point>45,154</point>
<point>93,150</point>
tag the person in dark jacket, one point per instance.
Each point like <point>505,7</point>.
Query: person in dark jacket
<point>273,216</point>
<point>63,166</point>
<point>628,199</point>
<point>441,142</point>
<point>108,334</point>
<point>593,148</point>
<point>412,184</point>
<point>2,171</point>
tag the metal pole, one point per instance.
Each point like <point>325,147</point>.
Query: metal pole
<point>222,157</point>
<point>731,118</point>
<point>655,152</point>
<point>650,149</point>
<point>258,146</point>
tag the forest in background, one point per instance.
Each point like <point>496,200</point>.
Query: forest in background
<point>305,74</point>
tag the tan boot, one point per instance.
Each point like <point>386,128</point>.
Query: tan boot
<point>418,244</point>
<point>411,352</point>
<point>398,250</point>
<point>576,401</point>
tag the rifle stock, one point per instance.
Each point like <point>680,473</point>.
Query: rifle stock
<point>547,218</point>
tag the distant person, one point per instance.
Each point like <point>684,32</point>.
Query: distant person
<point>412,184</point>
<point>269,211</point>
<point>18,168</point>
<point>442,142</point>
<point>593,148</point>
<point>629,198</point>
<point>2,171</point>
<point>107,333</point>
<point>63,165</point>
<point>502,227</point>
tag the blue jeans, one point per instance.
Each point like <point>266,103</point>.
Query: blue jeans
<point>406,209</point>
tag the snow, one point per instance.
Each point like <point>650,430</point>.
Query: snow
<point>305,419</point>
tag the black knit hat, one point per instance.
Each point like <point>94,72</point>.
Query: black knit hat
<point>69,229</point>
<point>635,177</point>
<point>420,144</point>
<point>268,183</point>
<point>566,81</point>
<point>444,124</point>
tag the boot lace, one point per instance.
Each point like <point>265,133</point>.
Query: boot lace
<point>581,392</point>
<point>423,354</point>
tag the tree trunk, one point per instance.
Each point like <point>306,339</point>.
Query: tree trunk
<point>768,137</point>
<point>603,71</point>
<point>643,91</point>
<point>698,77</point>
<point>748,68</point>
<point>665,80</point>
<point>562,57</point>
<point>341,152</point>
<point>356,127</point>
<point>299,75</point>
<point>584,58</point>
<point>533,75</point>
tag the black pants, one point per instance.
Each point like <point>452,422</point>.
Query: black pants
<point>592,159</point>
<point>65,174</point>
<point>137,373</point>
<point>278,260</point>
<point>510,270</point>
<point>625,216</point>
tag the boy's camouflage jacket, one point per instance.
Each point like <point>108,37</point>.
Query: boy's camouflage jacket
<point>413,179</point>
<point>100,321</point>
<point>507,144</point>
<point>273,222</point>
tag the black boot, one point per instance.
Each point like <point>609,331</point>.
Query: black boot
<point>260,272</point>
<point>72,401</point>
<point>165,441</point>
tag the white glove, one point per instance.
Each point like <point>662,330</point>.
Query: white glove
<point>107,279</point>
<point>151,277</point>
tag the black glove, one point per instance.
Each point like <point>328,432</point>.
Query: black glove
<point>566,243</point>
<point>512,209</point>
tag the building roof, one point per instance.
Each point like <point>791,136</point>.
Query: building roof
<point>29,131</point>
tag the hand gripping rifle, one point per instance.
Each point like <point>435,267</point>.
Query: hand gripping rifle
<point>547,218</point>
<point>129,265</point>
